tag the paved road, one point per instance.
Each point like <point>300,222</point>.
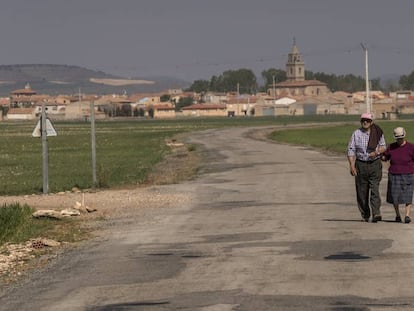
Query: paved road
<point>268,227</point>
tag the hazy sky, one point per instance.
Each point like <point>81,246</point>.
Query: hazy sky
<point>195,39</point>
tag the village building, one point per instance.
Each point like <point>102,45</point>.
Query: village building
<point>404,106</point>
<point>54,106</point>
<point>22,98</point>
<point>214,98</point>
<point>205,110</point>
<point>81,110</point>
<point>298,96</point>
<point>65,99</point>
<point>164,111</point>
<point>4,102</point>
<point>21,114</point>
<point>113,105</point>
<point>241,105</point>
<point>174,91</point>
<point>269,106</point>
<point>387,107</point>
<point>146,98</point>
<point>296,84</point>
<point>321,105</point>
<point>402,95</point>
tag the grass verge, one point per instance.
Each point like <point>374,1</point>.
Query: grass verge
<point>17,225</point>
<point>335,138</point>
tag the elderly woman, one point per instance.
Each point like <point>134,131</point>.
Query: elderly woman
<point>400,173</point>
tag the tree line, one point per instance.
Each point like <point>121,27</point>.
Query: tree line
<point>244,81</point>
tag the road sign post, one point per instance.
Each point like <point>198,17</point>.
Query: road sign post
<point>43,129</point>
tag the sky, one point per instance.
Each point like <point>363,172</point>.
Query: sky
<point>196,39</point>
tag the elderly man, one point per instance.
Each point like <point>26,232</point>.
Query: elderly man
<point>364,152</point>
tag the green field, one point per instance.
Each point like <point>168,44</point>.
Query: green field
<point>335,138</point>
<point>126,151</point>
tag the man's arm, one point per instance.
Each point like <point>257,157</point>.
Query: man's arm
<point>352,169</point>
<point>352,155</point>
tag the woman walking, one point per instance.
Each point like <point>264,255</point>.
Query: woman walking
<point>400,186</point>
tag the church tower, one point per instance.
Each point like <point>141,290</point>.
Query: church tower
<point>295,67</point>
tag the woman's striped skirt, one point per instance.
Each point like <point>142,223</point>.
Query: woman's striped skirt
<point>400,188</point>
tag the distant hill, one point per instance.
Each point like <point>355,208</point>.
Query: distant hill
<point>65,79</point>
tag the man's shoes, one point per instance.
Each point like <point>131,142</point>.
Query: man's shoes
<point>376,218</point>
<point>407,219</point>
<point>398,219</point>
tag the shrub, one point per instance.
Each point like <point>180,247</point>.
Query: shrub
<point>14,222</point>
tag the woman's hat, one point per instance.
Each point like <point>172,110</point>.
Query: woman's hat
<point>399,132</point>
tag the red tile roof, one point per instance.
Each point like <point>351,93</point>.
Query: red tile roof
<point>21,111</point>
<point>204,107</point>
<point>300,83</point>
<point>23,91</point>
<point>4,101</point>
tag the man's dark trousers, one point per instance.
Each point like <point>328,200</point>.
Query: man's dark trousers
<point>367,180</point>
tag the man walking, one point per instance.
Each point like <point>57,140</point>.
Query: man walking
<point>364,149</point>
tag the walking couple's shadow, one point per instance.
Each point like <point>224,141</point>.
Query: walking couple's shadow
<point>356,220</point>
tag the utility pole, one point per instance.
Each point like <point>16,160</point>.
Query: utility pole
<point>367,95</point>
<point>238,95</point>
<point>274,91</point>
<point>93,144</point>
<point>45,157</point>
<point>80,104</point>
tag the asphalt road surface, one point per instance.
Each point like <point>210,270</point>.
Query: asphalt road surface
<point>266,227</point>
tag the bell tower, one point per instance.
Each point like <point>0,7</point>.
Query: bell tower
<point>295,67</point>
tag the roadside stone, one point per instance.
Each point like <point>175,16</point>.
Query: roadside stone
<point>90,209</point>
<point>79,207</point>
<point>70,212</point>
<point>47,213</point>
